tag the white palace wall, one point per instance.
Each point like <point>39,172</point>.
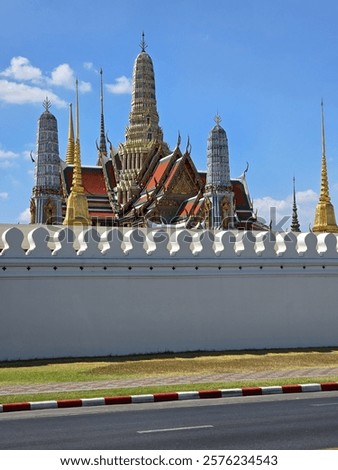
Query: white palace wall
<point>123,291</point>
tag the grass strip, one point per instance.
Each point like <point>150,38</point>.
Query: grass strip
<point>159,389</point>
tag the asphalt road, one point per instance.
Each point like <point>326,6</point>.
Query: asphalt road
<point>298,421</point>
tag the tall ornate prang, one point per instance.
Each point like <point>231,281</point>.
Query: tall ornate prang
<point>219,197</point>
<point>325,219</point>
<point>77,205</point>
<point>143,133</point>
<point>46,198</point>
<point>295,227</point>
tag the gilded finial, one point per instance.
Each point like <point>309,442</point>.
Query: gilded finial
<point>325,219</point>
<point>47,104</point>
<point>77,205</point>
<point>77,128</point>
<point>70,144</point>
<point>143,44</point>
<point>323,132</point>
<point>324,189</point>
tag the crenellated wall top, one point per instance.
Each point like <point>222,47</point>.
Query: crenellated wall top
<point>40,242</point>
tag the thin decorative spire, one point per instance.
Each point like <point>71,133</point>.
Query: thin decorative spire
<point>102,147</point>
<point>70,144</point>
<point>77,120</point>
<point>143,44</point>
<point>323,129</point>
<point>295,227</point>
<point>325,219</point>
<point>77,205</point>
<point>324,187</point>
<point>77,175</point>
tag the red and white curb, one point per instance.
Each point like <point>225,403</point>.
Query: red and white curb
<point>168,396</point>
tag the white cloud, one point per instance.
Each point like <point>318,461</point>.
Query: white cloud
<point>280,210</point>
<point>3,195</point>
<point>63,76</point>
<point>25,216</point>
<point>123,85</point>
<point>306,196</point>
<point>21,69</point>
<point>84,87</point>
<point>7,158</point>
<point>7,154</point>
<point>23,83</point>
<point>20,93</point>
<point>88,65</point>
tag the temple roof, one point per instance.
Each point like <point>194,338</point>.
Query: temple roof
<point>92,179</point>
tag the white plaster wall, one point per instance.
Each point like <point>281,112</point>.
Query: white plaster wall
<point>251,302</point>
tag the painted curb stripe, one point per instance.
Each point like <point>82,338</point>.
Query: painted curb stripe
<point>210,394</point>
<point>168,396</point>
<point>330,386</point>
<point>188,395</point>
<point>232,392</point>
<point>311,388</point>
<point>93,401</point>
<point>142,398</point>
<point>292,388</point>
<point>248,391</point>
<point>42,405</point>
<point>16,407</point>
<point>123,400</point>
<point>271,390</point>
<point>69,403</point>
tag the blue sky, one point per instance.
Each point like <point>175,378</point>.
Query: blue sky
<point>263,65</point>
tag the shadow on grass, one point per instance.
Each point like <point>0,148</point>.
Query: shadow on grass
<point>161,356</point>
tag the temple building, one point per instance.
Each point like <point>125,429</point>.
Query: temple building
<point>142,183</point>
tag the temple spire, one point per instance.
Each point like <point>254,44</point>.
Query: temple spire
<point>295,227</point>
<point>143,130</point>
<point>77,205</point>
<point>102,148</point>
<point>218,195</point>
<point>70,144</point>
<point>46,201</point>
<point>325,219</point>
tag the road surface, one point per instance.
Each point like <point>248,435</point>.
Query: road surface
<point>297,421</point>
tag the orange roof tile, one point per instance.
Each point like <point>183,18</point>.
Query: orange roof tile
<point>158,173</point>
<point>242,202</point>
<point>92,180</point>
<point>172,173</point>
